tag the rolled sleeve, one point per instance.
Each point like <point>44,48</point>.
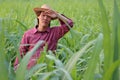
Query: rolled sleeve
<point>70,22</point>
<point>63,28</point>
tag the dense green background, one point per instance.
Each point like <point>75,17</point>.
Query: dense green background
<point>88,52</point>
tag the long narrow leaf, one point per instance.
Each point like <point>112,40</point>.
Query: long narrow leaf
<point>20,73</point>
<point>107,42</point>
<point>90,72</point>
<point>116,26</point>
<point>109,72</point>
<point>32,71</point>
<point>3,67</point>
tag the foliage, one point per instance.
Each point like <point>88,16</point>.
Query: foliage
<point>90,51</point>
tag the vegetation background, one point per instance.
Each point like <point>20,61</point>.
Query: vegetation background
<point>90,51</point>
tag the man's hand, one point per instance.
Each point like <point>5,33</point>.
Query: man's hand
<point>54,15</point>
<point>51,13</point>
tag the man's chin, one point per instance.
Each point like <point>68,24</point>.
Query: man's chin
<point>45,26</point>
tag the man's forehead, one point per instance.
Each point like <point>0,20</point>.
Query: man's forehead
<point>43,12</point>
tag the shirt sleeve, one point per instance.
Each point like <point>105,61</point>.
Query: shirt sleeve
<point>61,30</point>
<point>23,48</point>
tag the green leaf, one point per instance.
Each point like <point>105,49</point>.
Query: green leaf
<point>107,41</point>
<point>3,67</point>
<point>66,48</point>
<point>21,23</point>
<point>90,72</point>
<point>116,38</point>
<point>34,70</point>
<point>109,72</point>
<point>20,73</point>
<point>72,61</point>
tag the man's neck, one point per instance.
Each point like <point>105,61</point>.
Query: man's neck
<point>42,28</point>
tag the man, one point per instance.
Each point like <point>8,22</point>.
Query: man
<point>43,31</point>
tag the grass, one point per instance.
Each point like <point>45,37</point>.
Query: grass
<point>90,51</point>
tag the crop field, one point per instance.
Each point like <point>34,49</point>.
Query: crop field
<point>89,51</point>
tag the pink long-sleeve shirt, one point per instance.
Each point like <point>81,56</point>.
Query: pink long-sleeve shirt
<point>50,36</point>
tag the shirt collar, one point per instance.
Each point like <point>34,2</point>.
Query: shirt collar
<point>35,29</point>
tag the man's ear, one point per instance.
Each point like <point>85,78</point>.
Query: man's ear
<point>38,17</point>
<point>37,20</point>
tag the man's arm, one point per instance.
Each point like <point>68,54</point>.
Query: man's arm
<point>65,22</point>
<point>55,15</point>
<point>63,18</point>
<point>64,27</point>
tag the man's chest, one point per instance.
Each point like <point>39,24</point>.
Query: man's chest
<point>47,37</point>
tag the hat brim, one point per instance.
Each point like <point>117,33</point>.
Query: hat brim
<point>39,10</point>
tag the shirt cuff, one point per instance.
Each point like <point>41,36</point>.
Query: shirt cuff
<point>70,22</point>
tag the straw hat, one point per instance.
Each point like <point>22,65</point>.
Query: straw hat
<point>43,8</point>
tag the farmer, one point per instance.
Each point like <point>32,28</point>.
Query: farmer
<point>43,31</point>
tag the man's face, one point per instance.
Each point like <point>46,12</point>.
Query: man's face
<point>44,19</point>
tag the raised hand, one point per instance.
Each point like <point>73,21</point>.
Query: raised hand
<point>51,13</point>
